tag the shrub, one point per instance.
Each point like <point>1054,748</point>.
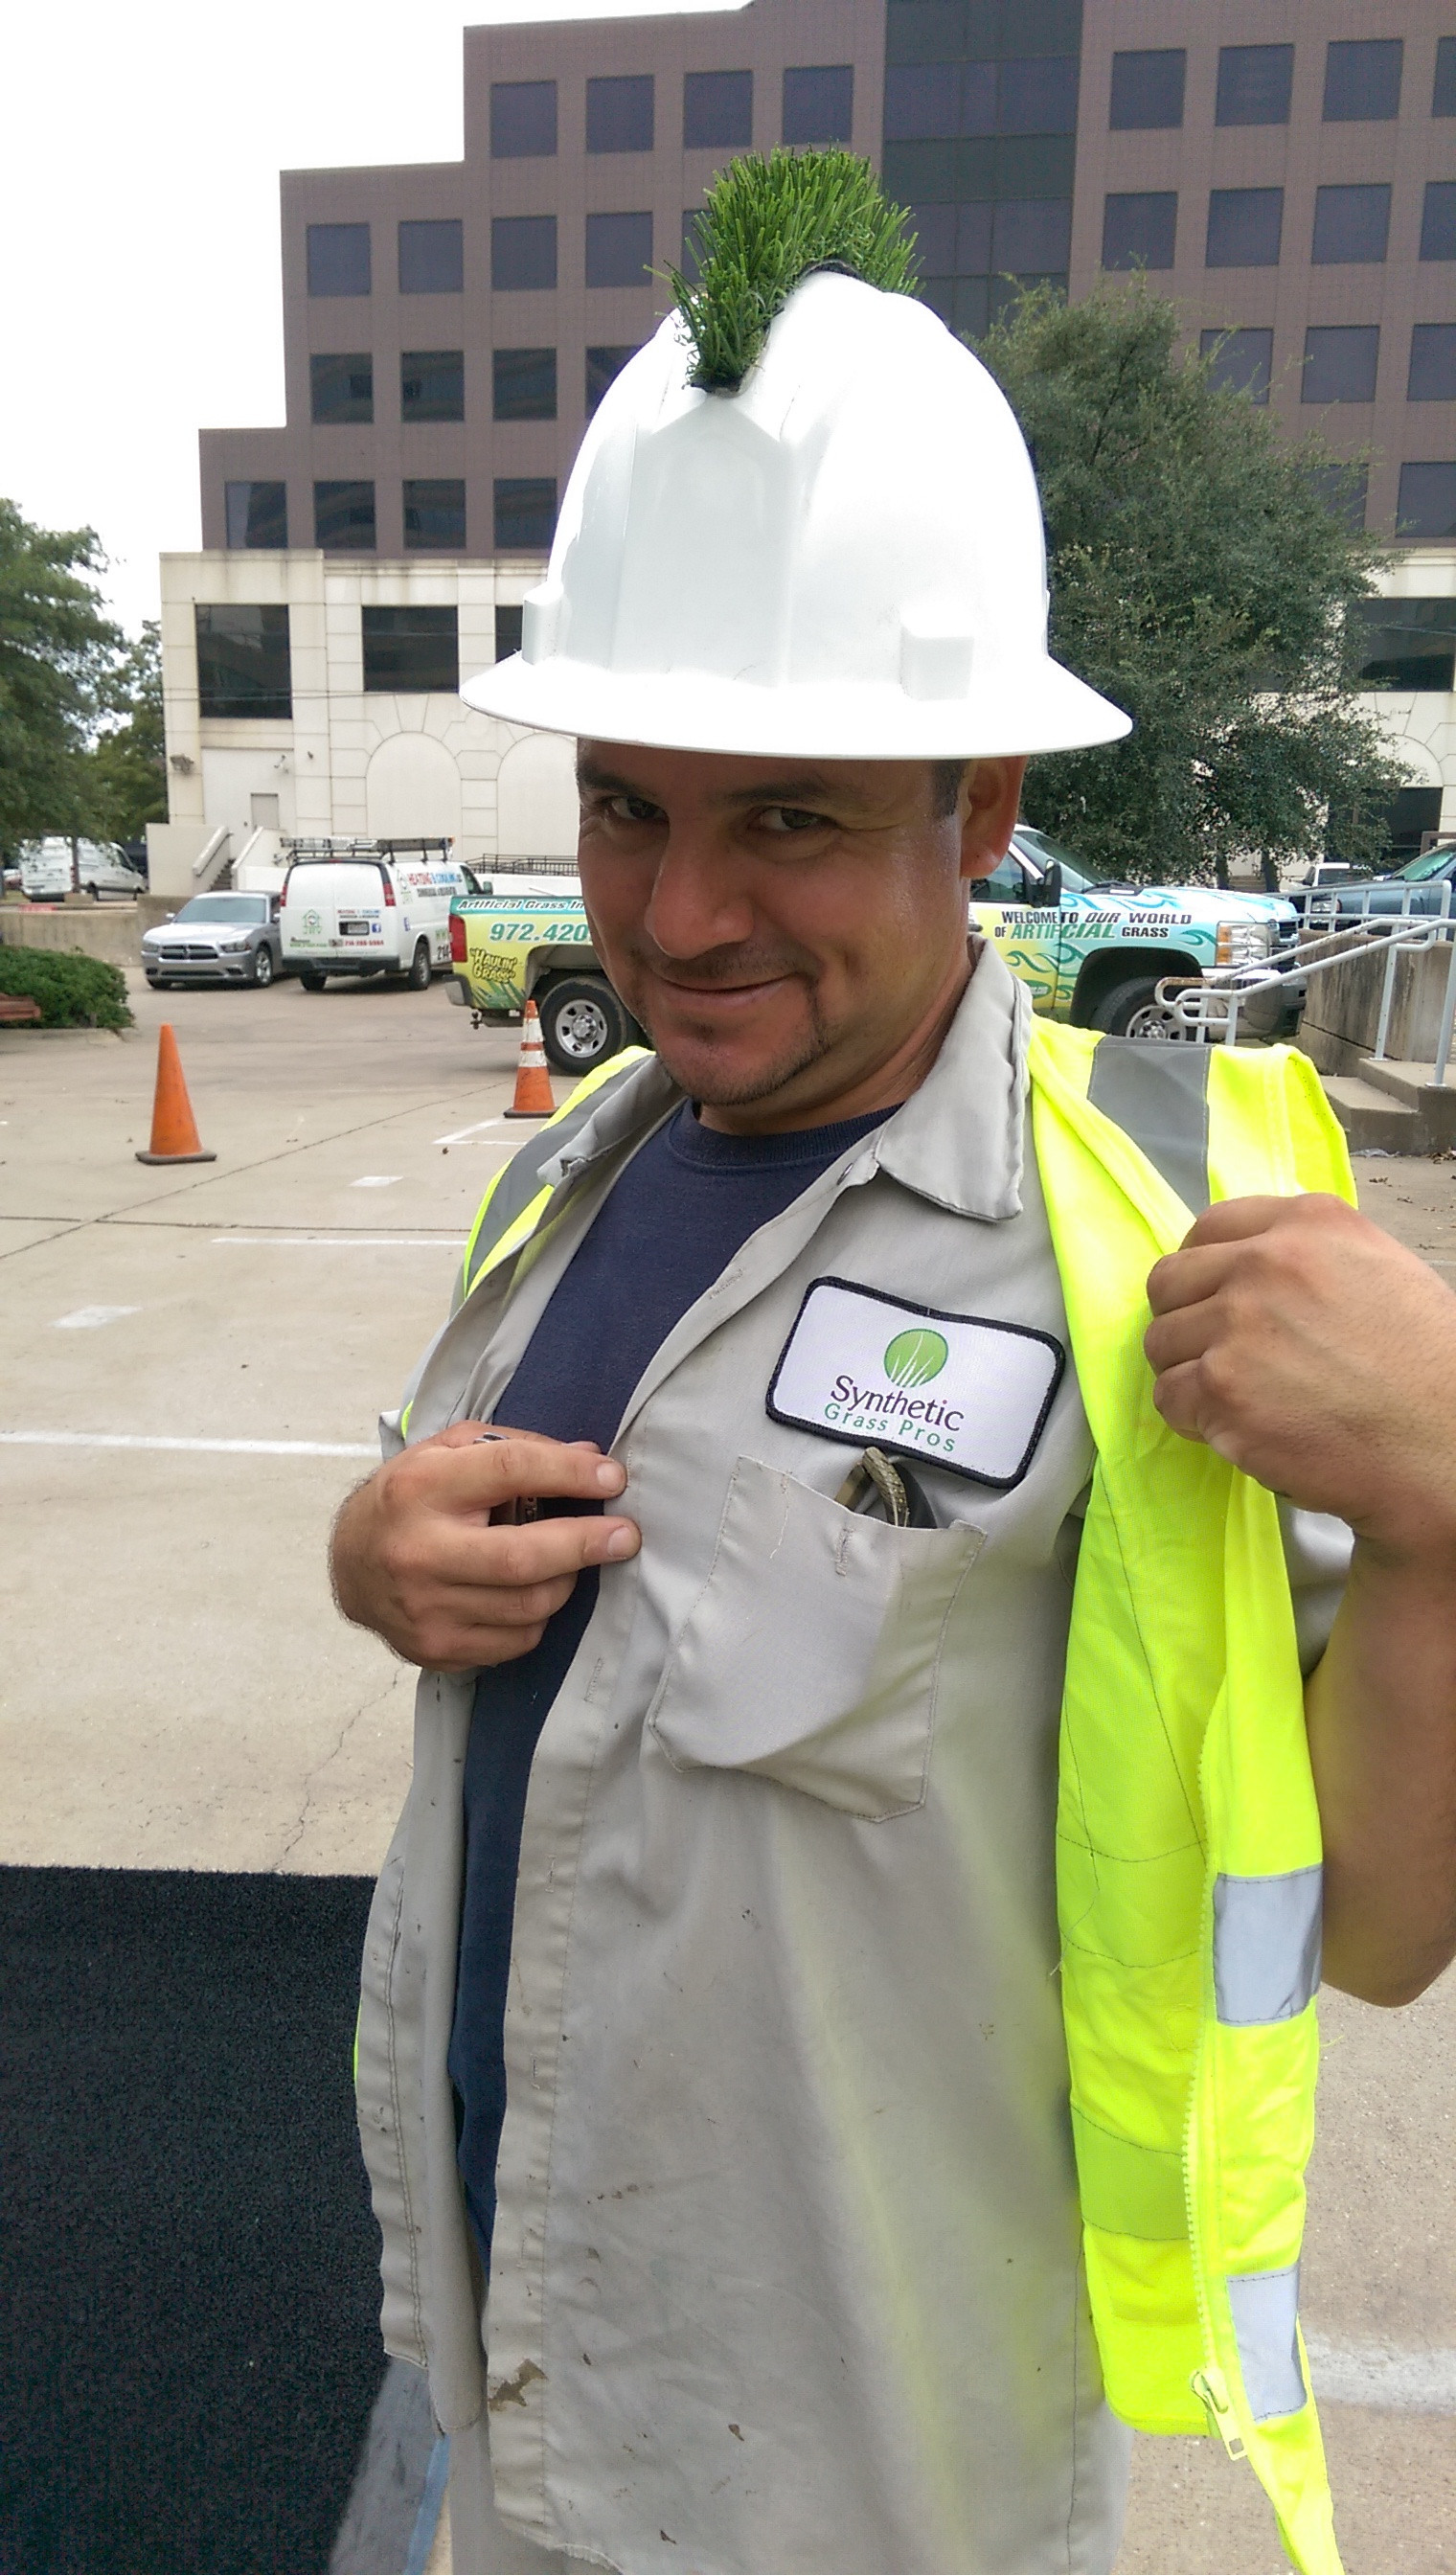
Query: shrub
<point>74,991</point>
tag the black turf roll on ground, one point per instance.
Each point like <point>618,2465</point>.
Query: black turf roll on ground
<point>187,2257</point>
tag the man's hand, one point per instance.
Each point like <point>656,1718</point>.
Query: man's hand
<point>1312,1352</point>
<point>415,1557</point>
<point>1319,1356</point>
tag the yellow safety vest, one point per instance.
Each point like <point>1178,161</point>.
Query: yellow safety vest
<point>1188,1841</point>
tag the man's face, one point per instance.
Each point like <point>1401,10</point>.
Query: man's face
<point>783,930</point>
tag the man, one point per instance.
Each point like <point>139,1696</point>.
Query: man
<point>711,2008</point>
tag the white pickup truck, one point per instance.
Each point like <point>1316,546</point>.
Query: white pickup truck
<point>1091,954</point>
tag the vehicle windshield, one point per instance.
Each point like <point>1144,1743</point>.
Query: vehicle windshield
<point>225,907</point>
<point>1431,863</point>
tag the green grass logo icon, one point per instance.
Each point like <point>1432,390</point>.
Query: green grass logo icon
<point>912,1358</point>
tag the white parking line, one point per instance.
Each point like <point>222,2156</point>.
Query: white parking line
<point>1371,2373</point>
<point>376,1181</point>
<point>89,1319</point>
<point>344,1241</point>
<point>481,1126</point>
<point>210,1448</point>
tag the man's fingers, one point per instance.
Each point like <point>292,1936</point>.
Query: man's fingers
<point>463,1555</point>
<point>1187,1277</point>
<point>475,1466</point>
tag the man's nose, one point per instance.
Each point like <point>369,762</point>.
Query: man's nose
<point>698,898</point>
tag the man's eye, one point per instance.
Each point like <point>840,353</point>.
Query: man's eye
<point>787,819</point>
<point>633,809</point>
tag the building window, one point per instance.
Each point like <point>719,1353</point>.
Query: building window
<point>818,103</point>
<point>1147,90</point>
<point>410,652</point>
<point>1443,93</point>
<point>339,258</point>
<point>524,384</point>
<point>1038,95</point>
<point>1030,236</point>
<point>1139,231</point>
<point>256,514</point>
<point>1438,220</point>
<point>1406,643</point>
<point>243,664</point>
<point>1342,489</point>
<point>603,368</point>
<point>618,249</point>
<point>344,518</point>
<point>717,110</point>
<point>1240,362</point>
<point>341,388</point>
<point>1427,504</point>
<point>431,384</point>
<point>620,113</point>
<point>941,102</point>
<point>507,630</point>
<point>431,258</point>
<point>1432,363</point>
<point>525,506</point>
<point>1362,80</point>
<point>522,120</point>
<point>1244,225</point>
<point>1340,364</point>
<point>1254,83</point>
<point>522,252</point>
<point>1350,225</point>
<point>434,517</point>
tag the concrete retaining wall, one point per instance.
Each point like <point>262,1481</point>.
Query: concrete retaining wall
<point>112,930</point>
<point>1342,1013</point>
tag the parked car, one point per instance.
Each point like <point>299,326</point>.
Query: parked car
<point>1417,887</point>
<point>53,868</point>
<point>367,908</point>
<point>1091,954</point>
<point>215,939</point>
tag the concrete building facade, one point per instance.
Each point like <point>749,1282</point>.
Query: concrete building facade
<point>1287,176</point>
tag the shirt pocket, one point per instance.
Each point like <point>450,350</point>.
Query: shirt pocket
<point>813,1653</point>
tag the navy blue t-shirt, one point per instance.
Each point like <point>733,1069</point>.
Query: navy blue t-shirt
<point>684,1206</point>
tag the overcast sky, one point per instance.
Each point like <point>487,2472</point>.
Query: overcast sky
<point>139,208</point>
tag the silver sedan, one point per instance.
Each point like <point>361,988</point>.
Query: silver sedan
<point>215,939</point>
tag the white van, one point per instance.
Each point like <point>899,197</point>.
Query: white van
<point>366,908</point>
<point>47,871</point>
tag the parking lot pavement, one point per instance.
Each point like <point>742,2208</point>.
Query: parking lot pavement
<point>180,1693</point>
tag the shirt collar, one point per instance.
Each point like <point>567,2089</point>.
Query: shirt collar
<point>958,1141</point>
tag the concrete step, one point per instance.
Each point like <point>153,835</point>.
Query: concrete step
<point>1414,1085</point>
<point>1373,1121</point>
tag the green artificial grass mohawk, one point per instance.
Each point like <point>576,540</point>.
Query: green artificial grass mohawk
<point>767,223</point>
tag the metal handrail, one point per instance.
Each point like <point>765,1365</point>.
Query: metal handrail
<point>1210,1008</point>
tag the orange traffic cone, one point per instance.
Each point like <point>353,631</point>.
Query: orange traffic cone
<point>174,1129</point>
<point>532,1081</point>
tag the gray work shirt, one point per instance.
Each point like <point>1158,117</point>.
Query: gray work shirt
<point>786,2268</point>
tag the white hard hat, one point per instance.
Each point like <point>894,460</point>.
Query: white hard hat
<point>841,560</point>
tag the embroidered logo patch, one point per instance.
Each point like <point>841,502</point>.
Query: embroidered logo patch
<point>953,1390</point>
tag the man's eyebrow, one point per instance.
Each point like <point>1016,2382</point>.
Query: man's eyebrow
<point>809,789</point>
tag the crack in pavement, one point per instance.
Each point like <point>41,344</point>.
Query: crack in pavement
<point>312,1776</point>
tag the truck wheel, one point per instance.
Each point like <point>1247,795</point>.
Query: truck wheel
<point>582,1022</point>
<point>421,970</point>
<point>1129,1009</point>
<point>311,980</point>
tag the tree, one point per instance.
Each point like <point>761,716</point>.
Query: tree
<point>58,656</point>
<point>126,768</point>
<point>1201,580</point>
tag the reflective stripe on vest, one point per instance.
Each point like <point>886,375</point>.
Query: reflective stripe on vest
<point>1188,1850</point>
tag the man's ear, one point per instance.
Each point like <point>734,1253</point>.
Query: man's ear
<point>991,799</point>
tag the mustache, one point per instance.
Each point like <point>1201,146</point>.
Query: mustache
<point>748,963</point>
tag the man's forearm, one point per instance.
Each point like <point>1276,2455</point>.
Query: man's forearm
<point>1382,1735</point>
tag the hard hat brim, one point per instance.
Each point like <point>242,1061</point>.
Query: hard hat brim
<point>1027,703</point>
